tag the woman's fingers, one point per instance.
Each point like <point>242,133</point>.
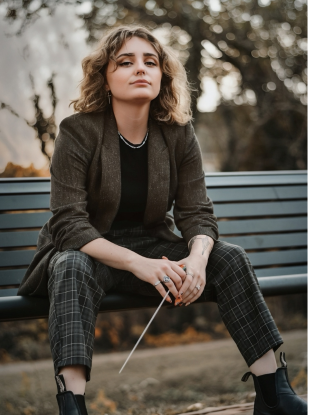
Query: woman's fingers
<point>189,296</point>
<point>174,283</point>
<point>163,292</point>
<point>175,278</point>
<point>184,290</point>
<point>193,291</point>
<point>196,294</point>
<point>190,293</point>
<point>175,272</point>
<point>179,270</point>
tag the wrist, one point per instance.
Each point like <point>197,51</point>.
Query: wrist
<point>198,258</point>
<point>201,245</point>
<point>131,260</point>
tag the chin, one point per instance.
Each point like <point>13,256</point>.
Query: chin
<point>146,98</point>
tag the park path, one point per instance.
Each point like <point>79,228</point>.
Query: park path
<point>160,381</point>
<point>120,357</point>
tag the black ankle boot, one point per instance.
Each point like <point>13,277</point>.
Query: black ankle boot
<point>67,401</point>
<point>288,403</point>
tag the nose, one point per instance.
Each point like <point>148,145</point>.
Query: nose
<point>140,68</point>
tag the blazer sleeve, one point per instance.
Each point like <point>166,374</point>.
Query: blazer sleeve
<point>193,210</point>
<point>69,225</point>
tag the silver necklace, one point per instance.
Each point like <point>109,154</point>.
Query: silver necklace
<point>140,145</point>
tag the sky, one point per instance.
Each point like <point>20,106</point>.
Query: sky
<point>51,44</point>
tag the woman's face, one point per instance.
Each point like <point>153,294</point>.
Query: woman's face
<point>137,59</point>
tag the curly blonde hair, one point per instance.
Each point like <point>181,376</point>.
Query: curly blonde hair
<point>173,103</point>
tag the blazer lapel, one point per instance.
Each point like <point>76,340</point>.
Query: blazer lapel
<point>111,170</point>
<point>158,176</point>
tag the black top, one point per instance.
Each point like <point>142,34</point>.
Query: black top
<point>134,179</point>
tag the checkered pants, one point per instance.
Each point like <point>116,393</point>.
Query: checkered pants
<point>77,284</point>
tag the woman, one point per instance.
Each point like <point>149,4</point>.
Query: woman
<point>118,166</point>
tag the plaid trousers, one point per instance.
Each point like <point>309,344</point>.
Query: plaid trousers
<point>77,284</point>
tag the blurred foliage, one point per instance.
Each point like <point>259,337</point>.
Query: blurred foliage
<point>44,127</point>
<point>14,170</point>
<point>24,340</point>
<point>260,47</point>
<point>102,404</point>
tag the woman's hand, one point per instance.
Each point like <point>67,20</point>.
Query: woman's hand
<point>195,276</point>
<point>153,270</point>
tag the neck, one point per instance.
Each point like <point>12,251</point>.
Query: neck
<point>131,119</point>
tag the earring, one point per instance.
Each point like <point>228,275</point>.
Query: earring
<point>109,96</point>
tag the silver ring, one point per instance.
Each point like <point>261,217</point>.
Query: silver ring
<point>188,273</point>
<point>156,283</point>
<point>198,287</point>
<point>166,279</point>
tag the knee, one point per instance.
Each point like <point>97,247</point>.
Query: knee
<point>236,251</point>
<point>237,256</point>
<point>229,255</point>
<point>73,262</point>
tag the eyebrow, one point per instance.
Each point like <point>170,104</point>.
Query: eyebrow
<point>132,54</point>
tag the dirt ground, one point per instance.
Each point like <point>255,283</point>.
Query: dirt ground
<point>161,381</point>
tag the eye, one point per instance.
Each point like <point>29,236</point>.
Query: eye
<point>125,63</point>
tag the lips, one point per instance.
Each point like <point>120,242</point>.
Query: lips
<point>140,81</point>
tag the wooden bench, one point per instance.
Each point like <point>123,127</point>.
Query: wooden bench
<point>264,212</point>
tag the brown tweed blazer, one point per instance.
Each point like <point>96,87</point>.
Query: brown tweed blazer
<point>86,188</point>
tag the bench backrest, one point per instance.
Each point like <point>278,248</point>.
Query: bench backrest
<point>264,212</point>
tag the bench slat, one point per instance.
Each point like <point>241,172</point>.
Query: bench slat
<point>29,238</point>
<point>11,276</point>
<point>16,258</point>
<point>293,256</point>
<point>42,201</point>
<point>8,292</point>
<point>214,179</point>
<point>24,257</point>
<point>273,272</point>
<point>22,187</point>
<point>224,179</point>
<point>257,193</point>
<point>221,194</point>
<point>262,225</point>
<point>37,220</point>
<point>22,202</point>
<point>269,241</point>
<point>21,308</point>
<point>15,276</point>
<point>260,209</point>
<point>24,220</point>
<point>290,284</point>
<point>14,239</point>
